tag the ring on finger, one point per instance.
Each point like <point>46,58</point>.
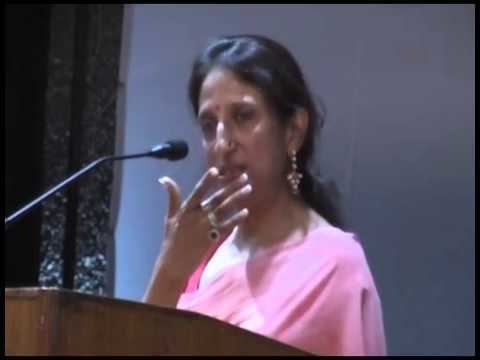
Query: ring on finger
<point>212,219</point>
<point>213,233</point>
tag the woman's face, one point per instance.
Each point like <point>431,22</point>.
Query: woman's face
<point>241,134</point>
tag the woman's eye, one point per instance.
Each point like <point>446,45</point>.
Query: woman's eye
<point>208,127</point>
<point>243,115</point>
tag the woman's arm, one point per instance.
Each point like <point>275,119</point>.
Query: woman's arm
<point>165,286</point>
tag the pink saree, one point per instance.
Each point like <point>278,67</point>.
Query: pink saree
<point>316,294</point>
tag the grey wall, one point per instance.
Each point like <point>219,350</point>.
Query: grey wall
<point>398,82</point>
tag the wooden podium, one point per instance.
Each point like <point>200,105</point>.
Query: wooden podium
<point>50,321</point>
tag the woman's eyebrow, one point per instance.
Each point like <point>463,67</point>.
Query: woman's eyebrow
<point>205,112</point>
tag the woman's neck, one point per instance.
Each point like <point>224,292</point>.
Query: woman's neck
<point>285,217</point>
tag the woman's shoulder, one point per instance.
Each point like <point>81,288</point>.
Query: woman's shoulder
<point>329,262</point>
<point>339,248</point>
<point>333,240</point>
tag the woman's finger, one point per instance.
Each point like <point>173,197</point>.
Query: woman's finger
<point>232,202</point>
<point>217,198</point>
<point>233,220</point>
<point>174,195</point>
<point>201,189</point>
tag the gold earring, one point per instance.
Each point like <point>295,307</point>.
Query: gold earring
<point>294,176</point>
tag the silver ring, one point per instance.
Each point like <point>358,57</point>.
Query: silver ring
<point>212,219</point>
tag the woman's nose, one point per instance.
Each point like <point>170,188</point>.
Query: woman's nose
<point>224,140</point>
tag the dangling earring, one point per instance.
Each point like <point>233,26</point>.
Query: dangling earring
<point>294,176</point>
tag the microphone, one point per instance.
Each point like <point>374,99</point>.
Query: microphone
<point>171,150</point>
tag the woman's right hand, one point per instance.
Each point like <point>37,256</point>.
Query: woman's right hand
<point>187,224</point>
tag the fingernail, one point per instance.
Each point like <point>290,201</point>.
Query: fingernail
<point>214,171</point>
<point>247,189</point>
<point>244,177</point>
<point>204,204</point>
<point>244,212</point>
<point>161,181</point>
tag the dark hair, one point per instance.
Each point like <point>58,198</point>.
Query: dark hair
<point>269,66</point>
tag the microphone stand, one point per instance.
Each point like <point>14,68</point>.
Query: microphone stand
<point>30,206</point>
<point>172,150</point>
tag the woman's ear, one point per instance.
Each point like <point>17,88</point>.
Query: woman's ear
<point>297,130</point>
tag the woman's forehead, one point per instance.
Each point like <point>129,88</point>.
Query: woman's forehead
<point>222,86</point>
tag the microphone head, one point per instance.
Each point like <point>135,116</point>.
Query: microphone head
<point>172,150</point>
<point>178,149</point>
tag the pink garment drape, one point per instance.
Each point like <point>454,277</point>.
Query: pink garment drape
<point>316,294</point>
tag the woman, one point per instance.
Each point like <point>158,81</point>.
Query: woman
<point>258,243</point>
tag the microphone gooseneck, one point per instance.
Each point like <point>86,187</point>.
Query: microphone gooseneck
<point>171,150</point>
